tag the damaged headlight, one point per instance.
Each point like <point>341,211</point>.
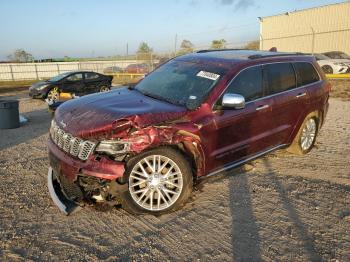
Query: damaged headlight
<point>113,147</point>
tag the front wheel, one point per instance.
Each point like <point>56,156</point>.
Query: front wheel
<point>159,181</point>
<point>327,69</point>
<point>53,95</point>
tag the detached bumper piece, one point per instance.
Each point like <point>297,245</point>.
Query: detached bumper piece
<point>59,195</point>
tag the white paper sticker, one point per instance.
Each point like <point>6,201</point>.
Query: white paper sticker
<point>208,75</point>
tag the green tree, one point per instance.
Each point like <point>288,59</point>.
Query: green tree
<point>218,44</point>
<point>253,45</point>
<point>144,52</point>
<point>144,48</point>
<point>20,55</point>
<point>186,47</point>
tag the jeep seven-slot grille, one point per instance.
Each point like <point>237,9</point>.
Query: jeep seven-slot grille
<point>73,145</point>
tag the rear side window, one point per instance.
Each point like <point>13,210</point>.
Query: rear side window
<point>248,83</point>
<point>280,77</point>
<point>306,73</point>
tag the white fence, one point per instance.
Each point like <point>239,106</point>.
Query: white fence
<point>31,71</point>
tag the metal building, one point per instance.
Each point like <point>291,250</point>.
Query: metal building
<point>315,30</point>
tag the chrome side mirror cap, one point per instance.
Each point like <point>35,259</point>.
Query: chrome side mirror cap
<point>234,101</point>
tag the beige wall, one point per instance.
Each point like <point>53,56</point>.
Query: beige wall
<point>294,31</point>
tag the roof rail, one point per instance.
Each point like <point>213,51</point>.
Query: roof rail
<point>257,56</point>
<point>215,50</point>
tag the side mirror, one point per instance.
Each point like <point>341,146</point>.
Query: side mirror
<point>234,101</point>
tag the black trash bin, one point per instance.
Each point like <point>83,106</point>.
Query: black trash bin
<point>9,114</point>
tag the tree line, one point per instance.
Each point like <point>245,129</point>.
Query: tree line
<point>144,51</point>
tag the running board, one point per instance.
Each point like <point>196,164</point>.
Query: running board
<point>240,162</point>
<point>65,205</point>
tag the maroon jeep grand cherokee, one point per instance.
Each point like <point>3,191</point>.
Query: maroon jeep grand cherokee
<point>196,115</point>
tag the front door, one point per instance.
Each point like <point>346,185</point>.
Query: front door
<point>236,134</point>
<point>74,84</point>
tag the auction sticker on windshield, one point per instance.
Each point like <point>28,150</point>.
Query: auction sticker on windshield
<point>208,75</point>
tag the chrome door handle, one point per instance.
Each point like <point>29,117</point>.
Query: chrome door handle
<point>301,95</point>
<point>262,107</point>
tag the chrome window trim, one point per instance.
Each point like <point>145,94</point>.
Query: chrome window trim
<point>269,96</point>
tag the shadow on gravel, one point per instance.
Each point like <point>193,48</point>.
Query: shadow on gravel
<point>298,225</point>
<point>245,232</point>
<point>37,125</point>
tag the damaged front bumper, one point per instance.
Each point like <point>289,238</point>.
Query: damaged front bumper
<point>64,204</point>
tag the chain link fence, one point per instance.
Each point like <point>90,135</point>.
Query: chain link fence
<point>135,64</point>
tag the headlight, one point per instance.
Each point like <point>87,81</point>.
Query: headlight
<point>42,87</point>
<point>112,147</point>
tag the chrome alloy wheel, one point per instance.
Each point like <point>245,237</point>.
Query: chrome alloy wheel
<point>53,95</point>
<point>104,89</point>
<point>155,182</point>
<point>308,134</point>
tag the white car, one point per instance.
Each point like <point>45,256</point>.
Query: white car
<point>332,66</point>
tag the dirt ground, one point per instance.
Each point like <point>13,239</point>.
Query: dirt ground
<point>286,208</point>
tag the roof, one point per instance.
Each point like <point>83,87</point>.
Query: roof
<point>232,55</point>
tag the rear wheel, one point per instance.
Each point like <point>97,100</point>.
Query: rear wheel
<point>53,95</point>
<point>327,69</point>
<point>159,181</point>
<point>306,137</point>
<point>104,89</point>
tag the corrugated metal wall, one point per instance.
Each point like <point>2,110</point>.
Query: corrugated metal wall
<point>318,30</point>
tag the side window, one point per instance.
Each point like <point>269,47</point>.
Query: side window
<point>75,77</point>
<point>280,77</point>
<point>91,76</point>
<point>248,83</point>
<point>306,73</point>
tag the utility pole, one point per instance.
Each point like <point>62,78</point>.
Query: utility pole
<point>127,49</point>
<point>175,45</point>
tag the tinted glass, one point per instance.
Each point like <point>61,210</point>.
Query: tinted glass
<point>247,83</point>
<point>75,77</point>
<point>280,77</point>
<point>90,76</point>
<point>306,73</point>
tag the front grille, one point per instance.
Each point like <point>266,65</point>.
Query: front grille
<point>73,145</point>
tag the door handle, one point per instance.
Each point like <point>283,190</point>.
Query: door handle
<point>262,107</point>
<point>300,95</point>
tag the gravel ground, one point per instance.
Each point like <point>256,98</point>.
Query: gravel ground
<point>282,208</point>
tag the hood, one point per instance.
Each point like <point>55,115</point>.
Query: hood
<point>39,84</point>
<point>97,114</point>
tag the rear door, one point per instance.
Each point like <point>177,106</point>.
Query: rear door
<point>240,133</point>
<point>290,99</point>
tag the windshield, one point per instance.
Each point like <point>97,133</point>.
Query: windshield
<point>321,57</point>
<point>338,55</point>
<point>59,77</point>
<point>181,82</point>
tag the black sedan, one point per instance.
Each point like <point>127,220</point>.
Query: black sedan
<point>78,83</point>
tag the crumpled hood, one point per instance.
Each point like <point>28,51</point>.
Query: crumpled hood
<point>98,114</point>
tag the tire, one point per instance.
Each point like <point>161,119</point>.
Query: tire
<point>306,136</point>
<point>104,89</point>
<point>327,69</point>
<point>53,94</point>
<point>167,194</point>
